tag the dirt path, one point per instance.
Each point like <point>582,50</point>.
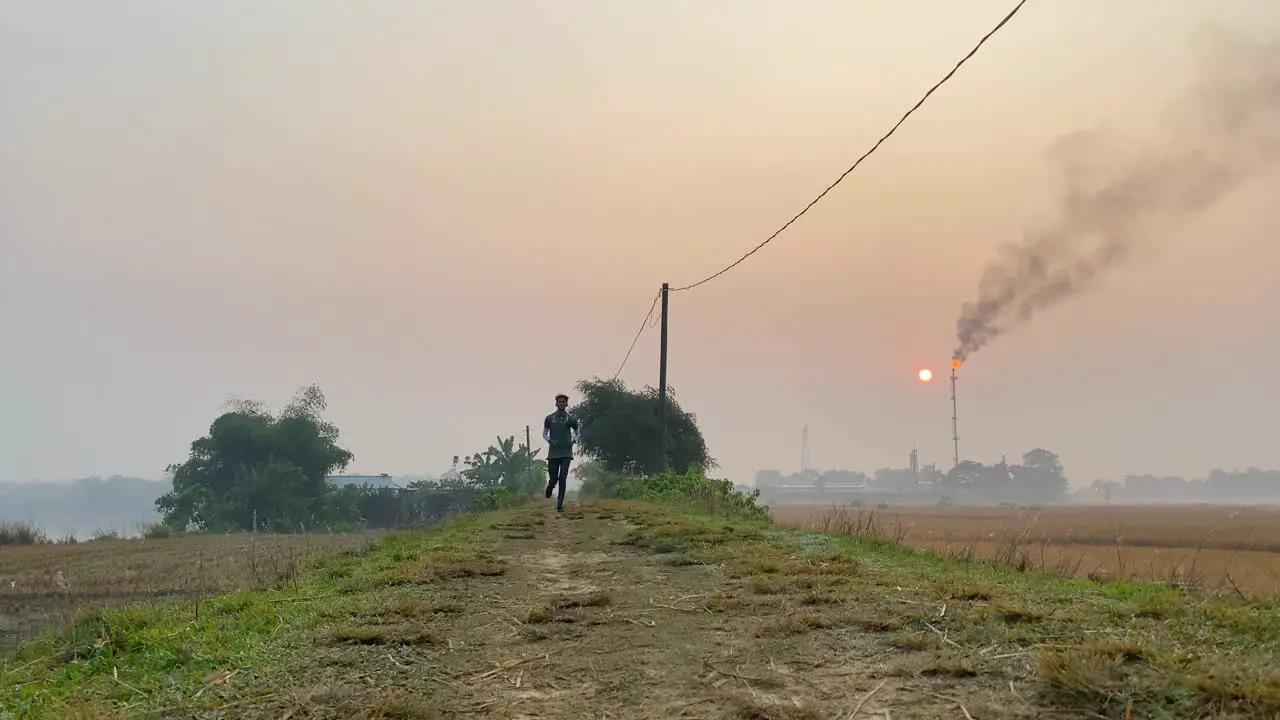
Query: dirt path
<point>604,615</point>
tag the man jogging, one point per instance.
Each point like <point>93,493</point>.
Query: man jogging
<point>561,431</point>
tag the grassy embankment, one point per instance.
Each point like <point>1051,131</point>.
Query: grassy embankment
<point>659,610</point>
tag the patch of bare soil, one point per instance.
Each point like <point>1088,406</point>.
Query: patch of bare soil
<point>602,613</point>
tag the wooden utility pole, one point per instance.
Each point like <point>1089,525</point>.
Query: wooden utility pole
<point>662,386</point>
<point>528,451</point>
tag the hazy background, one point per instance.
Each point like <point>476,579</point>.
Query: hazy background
<point>445,213</point>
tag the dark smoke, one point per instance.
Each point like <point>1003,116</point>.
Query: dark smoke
<point>1118,201</point>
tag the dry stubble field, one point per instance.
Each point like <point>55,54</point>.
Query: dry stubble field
<point>47,585</point>
<point>1208,548</point>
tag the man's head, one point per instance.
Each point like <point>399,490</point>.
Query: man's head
<point>562,402</point>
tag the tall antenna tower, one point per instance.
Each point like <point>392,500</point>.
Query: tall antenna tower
<point>805,460</point>
<point>955,425</point>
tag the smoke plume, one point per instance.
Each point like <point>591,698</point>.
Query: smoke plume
<point>1118,200</point>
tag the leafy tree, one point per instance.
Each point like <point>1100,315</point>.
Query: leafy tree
<point>505,464</point>
<point>1043,470</point>
<point>519,468</point>
<point>1041,459</point>
<point>481,470</point>
<point>255,470</point>
<point>620,430</point>
<point>966,475</point>
<point>1038,479</point>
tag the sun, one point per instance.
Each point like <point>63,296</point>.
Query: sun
<point>926,375</point>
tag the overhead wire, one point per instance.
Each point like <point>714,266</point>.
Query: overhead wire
<point>644,324</point>
<point>866,154</point>
<point>651,320</point>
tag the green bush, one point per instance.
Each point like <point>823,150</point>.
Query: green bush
<point>157,531</point>
<point>495,497</point>
<point>715,495</point>
<point>598,481</point>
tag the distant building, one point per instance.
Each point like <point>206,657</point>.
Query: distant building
<point>370,481</point>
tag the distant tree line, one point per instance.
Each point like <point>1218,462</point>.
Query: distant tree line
<point>261,471</point>
<point>1221,486</point>
<point>1039,478</point>
<point>255,469</point>
<point>264,471</point>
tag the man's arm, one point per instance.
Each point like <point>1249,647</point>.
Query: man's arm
<point>546,428</point>
<point>576,426</point>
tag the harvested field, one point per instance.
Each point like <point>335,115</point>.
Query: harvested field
<point>47,585</point>
<point>1206,548</point>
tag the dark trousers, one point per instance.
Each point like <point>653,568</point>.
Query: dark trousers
<point>558,475</point>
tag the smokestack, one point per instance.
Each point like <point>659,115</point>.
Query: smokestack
<point>955,424</point>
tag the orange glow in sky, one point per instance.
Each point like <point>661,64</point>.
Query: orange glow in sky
<point>926,375</point>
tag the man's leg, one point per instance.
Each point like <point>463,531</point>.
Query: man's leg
<point>562,479</point>
<point>552,474</point>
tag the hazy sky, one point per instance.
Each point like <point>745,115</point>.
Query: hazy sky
<point>446,212</point>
